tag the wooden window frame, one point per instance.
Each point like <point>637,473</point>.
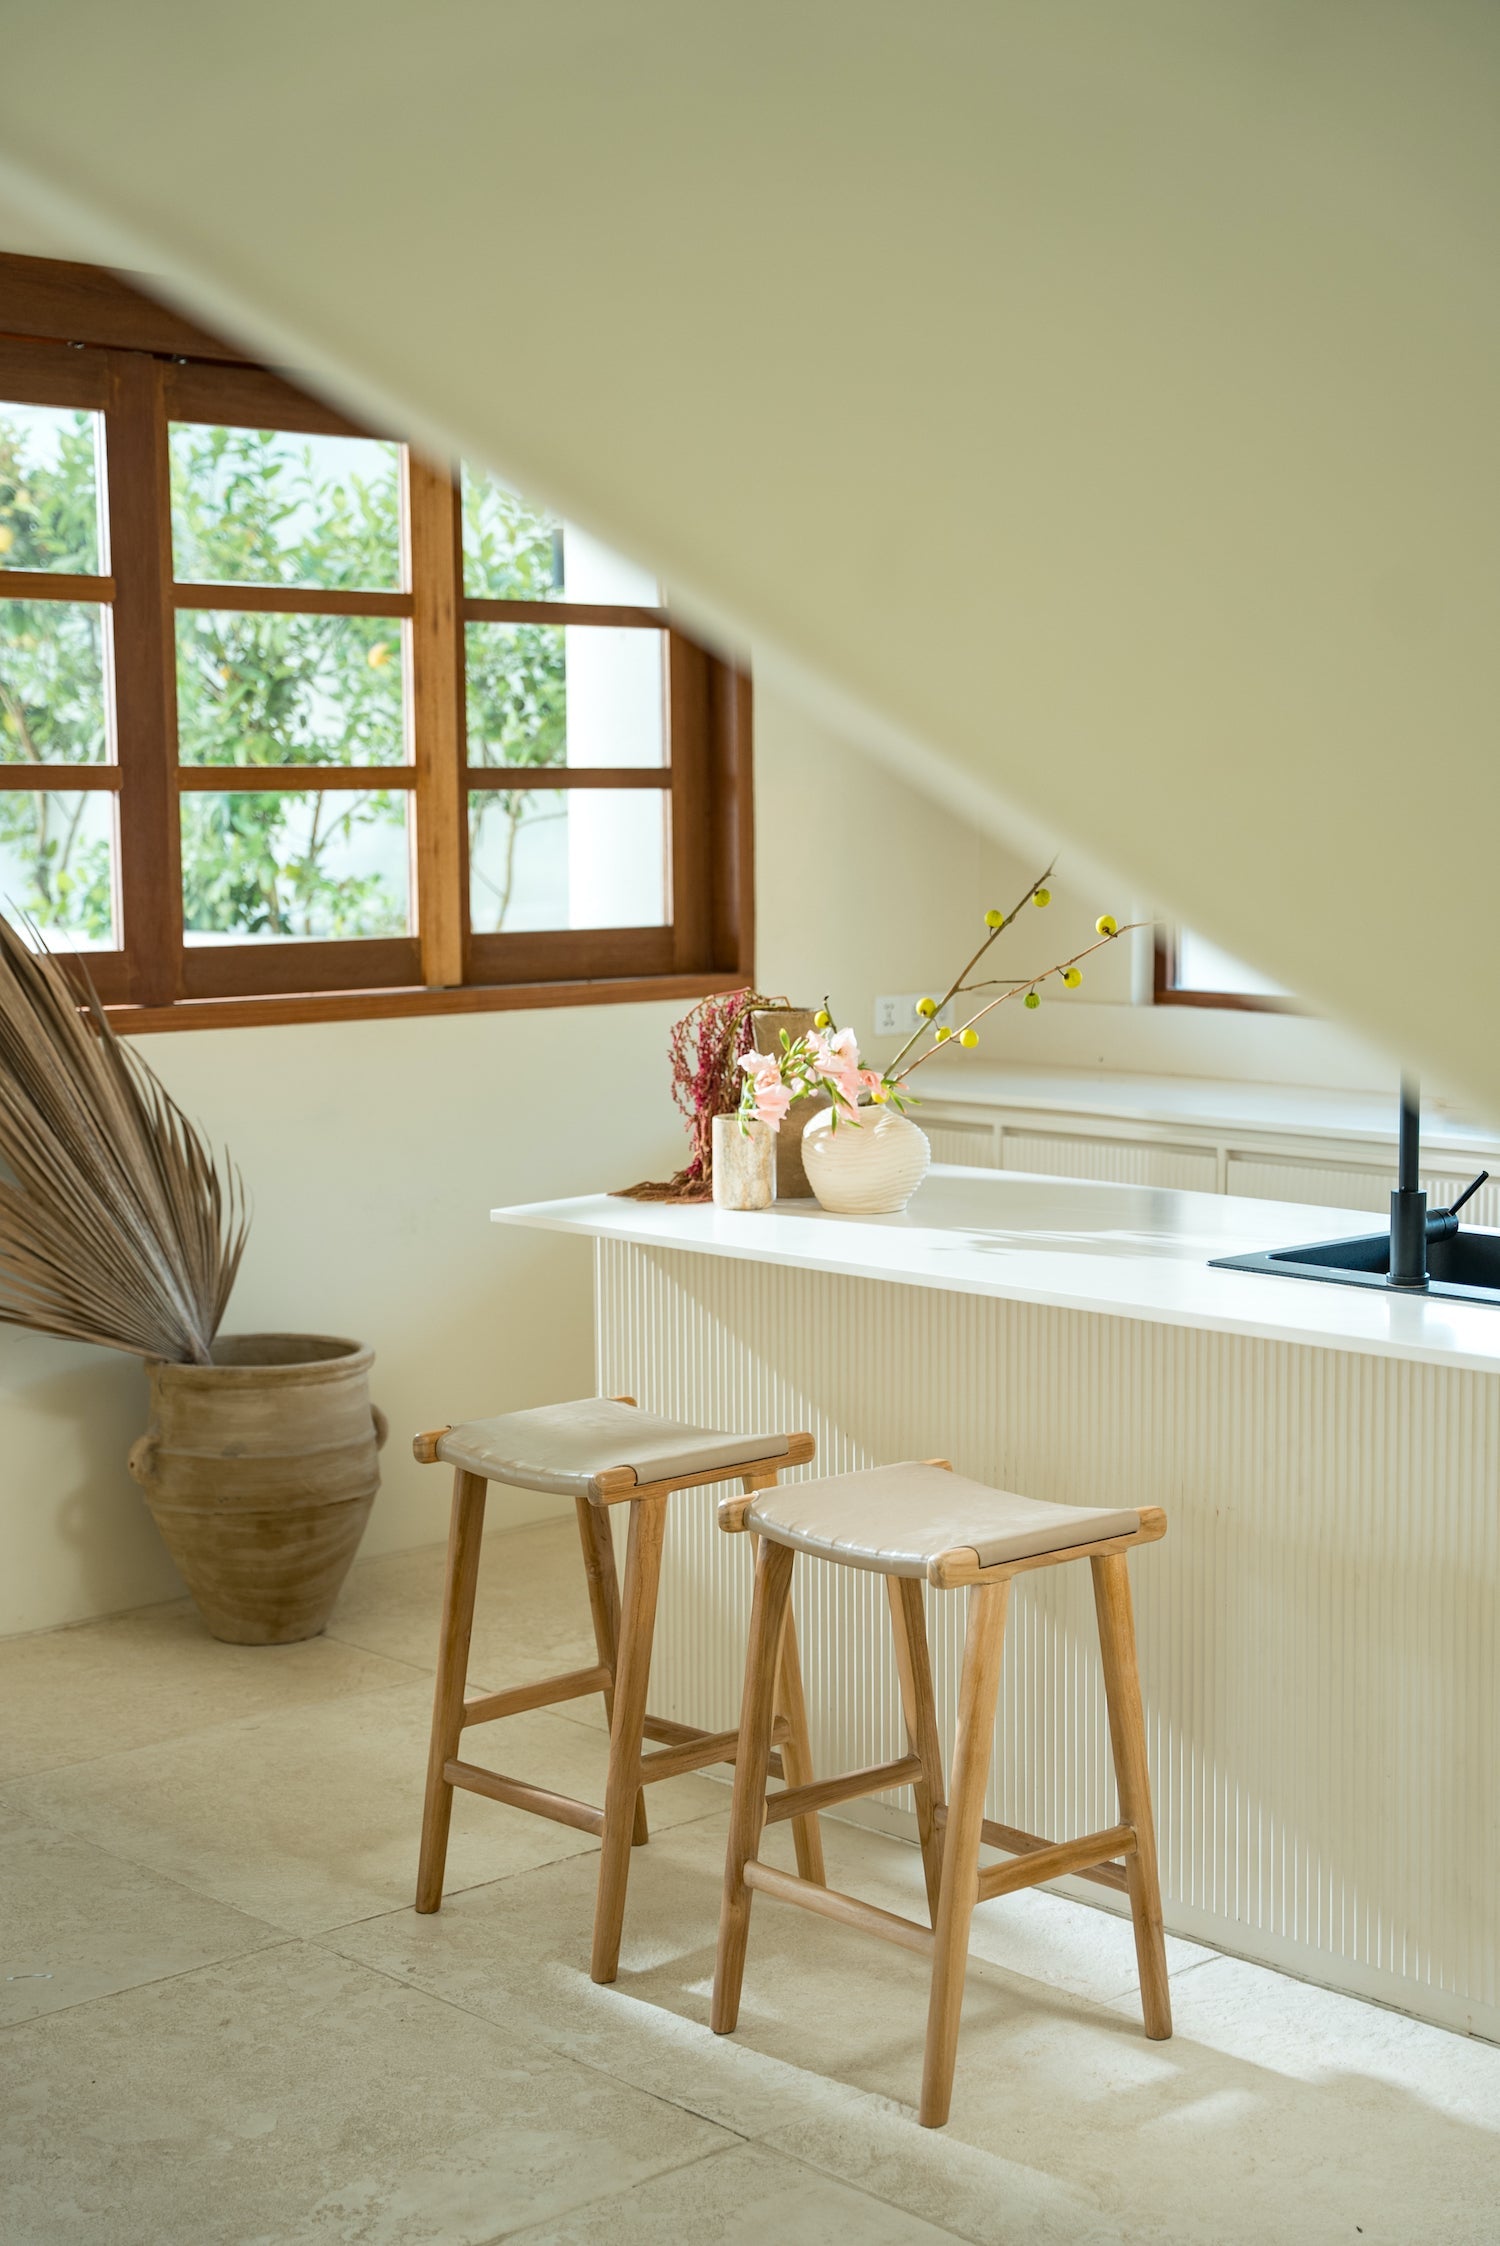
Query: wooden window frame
<point>83,336</point>
<point>1166,991</point>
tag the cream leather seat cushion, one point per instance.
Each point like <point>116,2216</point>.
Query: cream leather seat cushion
<point>562,1447</point>
<point>897,1519</point>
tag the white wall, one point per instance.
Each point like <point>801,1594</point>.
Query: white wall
<point>374,1150</point>
<point>1101,1027</point>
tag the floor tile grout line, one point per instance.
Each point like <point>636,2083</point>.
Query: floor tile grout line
<point>552,2050</point>
<point>206,1731</point>
<point>895,2206</point>
<point>151,1981</point>
<point>176,1879</point>
<point>620,2191</point>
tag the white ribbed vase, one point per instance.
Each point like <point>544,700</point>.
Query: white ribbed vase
<point>870,1168</point>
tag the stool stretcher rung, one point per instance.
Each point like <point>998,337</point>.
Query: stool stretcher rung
<point>545,1693</point>
<point>1016,1843</point>
<point>669,1733</point>
<point>561,1808</point>
<point>696,1752</point>
<point>845,1910</point>
<point>798,1801</point>
<point>1052,1862</point>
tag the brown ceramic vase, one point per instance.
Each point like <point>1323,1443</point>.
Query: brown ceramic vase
<point>260,1470</point>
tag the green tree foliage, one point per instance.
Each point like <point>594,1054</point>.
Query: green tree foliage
<point>517,689</point>
<point>252,507</point>
<point>259,689</point>
<point>56,860</point>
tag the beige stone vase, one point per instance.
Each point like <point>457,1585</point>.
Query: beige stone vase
<point>766,1026</point>
<point>260,1470</point>
<point>870,1168</point>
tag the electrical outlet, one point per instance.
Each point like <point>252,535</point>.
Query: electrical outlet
<point>898,1017</point>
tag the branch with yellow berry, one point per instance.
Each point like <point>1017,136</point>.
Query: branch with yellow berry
<point>1026,987</point>
<point>826,1060</point>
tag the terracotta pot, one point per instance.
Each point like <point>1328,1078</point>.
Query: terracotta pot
<point>870,1168</point>
<point>260,1470</point>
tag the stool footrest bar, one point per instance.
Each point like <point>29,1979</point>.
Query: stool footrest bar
<point>798,1801</point>
<point>1052,1861</point>
<point>1017,1843</point>
<point>561,1808</point>
<point>695,1753</point>
<point>543,1694</point>
<point>846,1910</point>
<point>669,1733</point>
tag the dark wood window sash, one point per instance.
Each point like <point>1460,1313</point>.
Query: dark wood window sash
<point>77,335</point>
<point>1165,990</point>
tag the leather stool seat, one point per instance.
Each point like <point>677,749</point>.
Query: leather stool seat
<point>901,1520</point>
<point>563,1448</point>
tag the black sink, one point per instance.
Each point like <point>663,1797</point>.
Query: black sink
<point>1465,1267</point>
<point>1435,1256</point>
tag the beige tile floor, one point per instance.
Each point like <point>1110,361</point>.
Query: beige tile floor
<point>221,2024</point>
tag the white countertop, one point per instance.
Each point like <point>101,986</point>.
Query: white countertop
<point>1203,1103</point>
<point>1120,1250</point>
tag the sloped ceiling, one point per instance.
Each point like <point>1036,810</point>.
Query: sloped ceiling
<point>1099,398</point>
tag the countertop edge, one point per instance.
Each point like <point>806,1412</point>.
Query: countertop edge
<point>1247,1328</point>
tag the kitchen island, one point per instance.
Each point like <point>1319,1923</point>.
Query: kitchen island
<point>1317,1632</point>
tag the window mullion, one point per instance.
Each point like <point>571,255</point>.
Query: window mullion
<point>436,718</point>
<point>145,687</point>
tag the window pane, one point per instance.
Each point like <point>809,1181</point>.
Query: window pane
<point>263,689</point>
<point>264,507</point>
<point>49,489</point>
<point>513,551</point>
<point>1202,966</point>
<point>52,702</point>
<point>567,858</point>
<point>57,857</point>
<point>293,866</point>
<point>582,694</point>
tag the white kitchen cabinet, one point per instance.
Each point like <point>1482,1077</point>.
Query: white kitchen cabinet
<point>1340,1185</point>
<point>1118,1161</point>
<point>1257,1142</point>
<point>977,1145</point>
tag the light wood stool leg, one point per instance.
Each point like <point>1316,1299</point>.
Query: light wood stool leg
<point>773,1583</point>
<point>462,1574</point>
<point>648,1517</point>
<point>914,1669</point>
<point>597,1539</point>
<point>979,1687</point>
<point>796,1752</point>
<point>1127,1732</point>
<point>791,1702</point>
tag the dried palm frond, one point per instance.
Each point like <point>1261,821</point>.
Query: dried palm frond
<point>116,1224</point>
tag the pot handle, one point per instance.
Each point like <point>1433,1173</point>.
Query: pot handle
<point>382,1426</point>
<point>139,1459</point>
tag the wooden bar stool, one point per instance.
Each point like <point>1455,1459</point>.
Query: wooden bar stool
<point>908,1523</point>
<point>601,1452</point>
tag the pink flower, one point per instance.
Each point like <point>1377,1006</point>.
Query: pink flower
<point>764,1089</point>
<point>834,1062</point>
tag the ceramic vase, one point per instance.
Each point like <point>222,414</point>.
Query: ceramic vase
<point>744,1164</point>
<point>870,1168</point>
<point>766,1026</point>
<point>260,1470</point>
